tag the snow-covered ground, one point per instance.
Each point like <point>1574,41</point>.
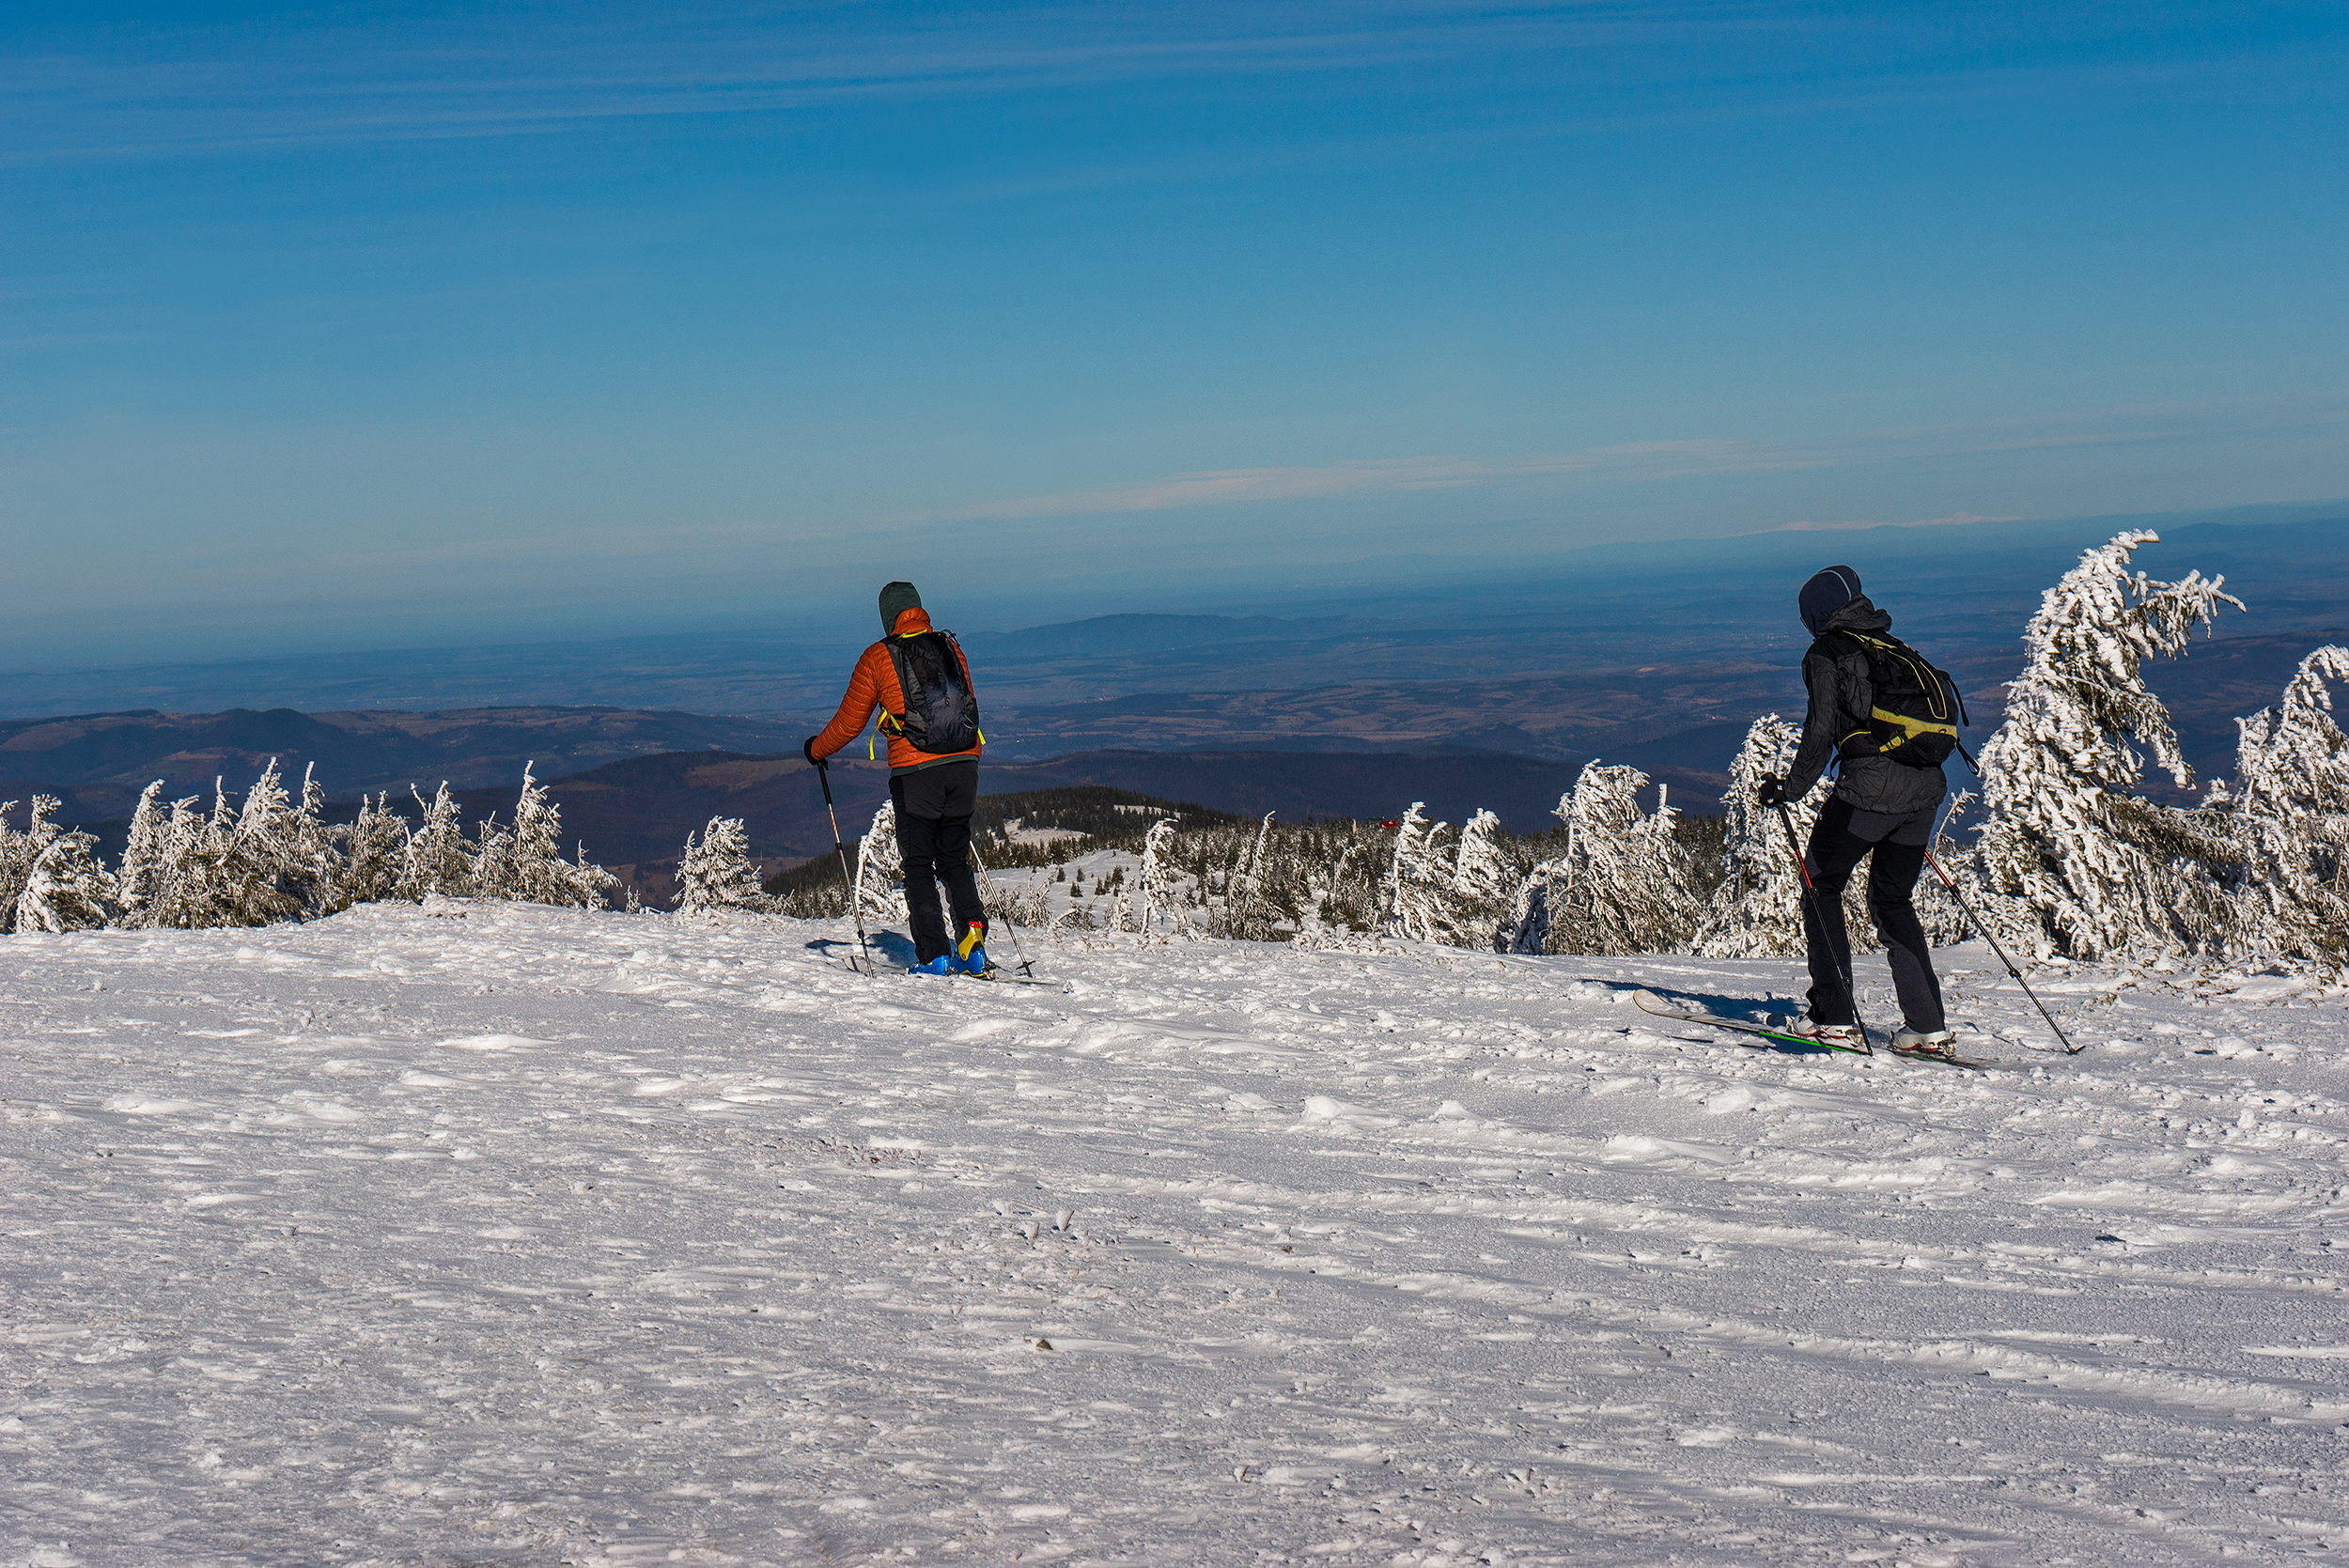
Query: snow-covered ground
<point>497,1234</point>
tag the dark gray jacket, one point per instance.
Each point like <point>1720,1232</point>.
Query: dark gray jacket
<point>1843,694</point>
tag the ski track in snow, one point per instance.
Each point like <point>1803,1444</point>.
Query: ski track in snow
<point>489,1234</point>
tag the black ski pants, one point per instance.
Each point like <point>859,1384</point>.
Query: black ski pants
<point>934,808</point>
<point>1895,849</point>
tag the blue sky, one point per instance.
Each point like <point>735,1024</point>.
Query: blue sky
<point>359,325</point>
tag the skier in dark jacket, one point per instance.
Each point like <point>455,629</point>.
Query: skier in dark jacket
<point>934,748</point>
<point>1883,809</point>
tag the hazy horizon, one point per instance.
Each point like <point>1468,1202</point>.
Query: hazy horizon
<point>824,624</point>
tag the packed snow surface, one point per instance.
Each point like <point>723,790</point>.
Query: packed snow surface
<point>484,1233</point>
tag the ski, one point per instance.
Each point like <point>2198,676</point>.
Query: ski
<point>1648,1002</point>
<point>997,977</point>
<point>992,977</point>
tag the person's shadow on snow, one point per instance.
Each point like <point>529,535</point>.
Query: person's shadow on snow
<point>1748,1010</point>
<point>890,949</point>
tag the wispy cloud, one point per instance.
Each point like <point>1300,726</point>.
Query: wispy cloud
<point>217,86</point>
<point>206,84</point>
<point>1225,487</point>
<point>1649,460</point>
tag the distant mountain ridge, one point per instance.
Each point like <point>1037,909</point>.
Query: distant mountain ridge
<point>98,763</point>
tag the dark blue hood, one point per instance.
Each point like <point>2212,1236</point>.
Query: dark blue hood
<point>1826,593</point>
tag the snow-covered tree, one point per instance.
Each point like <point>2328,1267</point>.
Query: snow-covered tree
<point>1156,888</point>
<point>2291,807</point>
<point>276,862</point>
<point>141,878</point>
<point>1483,876</point>
<point>525,863</point>
<point>716,872</point>
<point>2099,868</point>
<point>377,859</point>
<point>1625,883</point>
<point>1418,881</point>
<point>187,884</point>
<point>68,890</point>
<point>1438,889</point>
<point>21,852</point>
<point>1758,910</point>
<point>1463,899</point>
<point>491,873</point>
<point>314,859</point>
<point>879,868</point>
<point>1245,889</point>
<point>439,859</point>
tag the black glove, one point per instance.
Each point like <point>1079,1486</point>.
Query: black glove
<point>1770,792</point>
<point>807,750</point>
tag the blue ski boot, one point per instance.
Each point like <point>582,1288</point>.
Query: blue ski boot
<point>942,964</point>
<point>968,956</point>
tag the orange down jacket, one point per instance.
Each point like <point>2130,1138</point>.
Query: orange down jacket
<point>875,685</point>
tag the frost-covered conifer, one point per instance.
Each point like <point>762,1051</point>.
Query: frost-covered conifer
<point>1470,907</point>
<point>1157,891</point>
<point>490,872</point>
<point>1482,873</point>
<point>187,890</point>
<point>591,884</point>
<point>69,890</point>
<point>21,852</point>
<point>716,872</point>
<point>378,857</point>
<point>140,880</point>
<point>1417,879</point>
<point>2098,868</point>
<point>1758,910</point>
<point>879,868</point>
<point>439,857</point>
<point>1440,889</point>
<point>1247,889</point>
<point>269,861</point>
<point>313,861</point>
<point>1624,885</point>
<point>527,863</point>
<point>2291,806</point>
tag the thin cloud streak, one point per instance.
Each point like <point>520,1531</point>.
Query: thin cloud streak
<point>1225,487</point>
<point>490,84</point>
<point>346,85</point>
<point>1641,461</point>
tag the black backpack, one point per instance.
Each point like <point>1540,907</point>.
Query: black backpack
<point>942,714</point>
<point>1917,711</point>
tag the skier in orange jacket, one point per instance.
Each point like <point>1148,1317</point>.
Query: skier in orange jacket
<point>919,679</point>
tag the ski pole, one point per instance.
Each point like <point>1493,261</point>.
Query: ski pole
<point>1811,897</point>
<point>1009,924</point>
<point>2017,975</point>
<point>856,905</point>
